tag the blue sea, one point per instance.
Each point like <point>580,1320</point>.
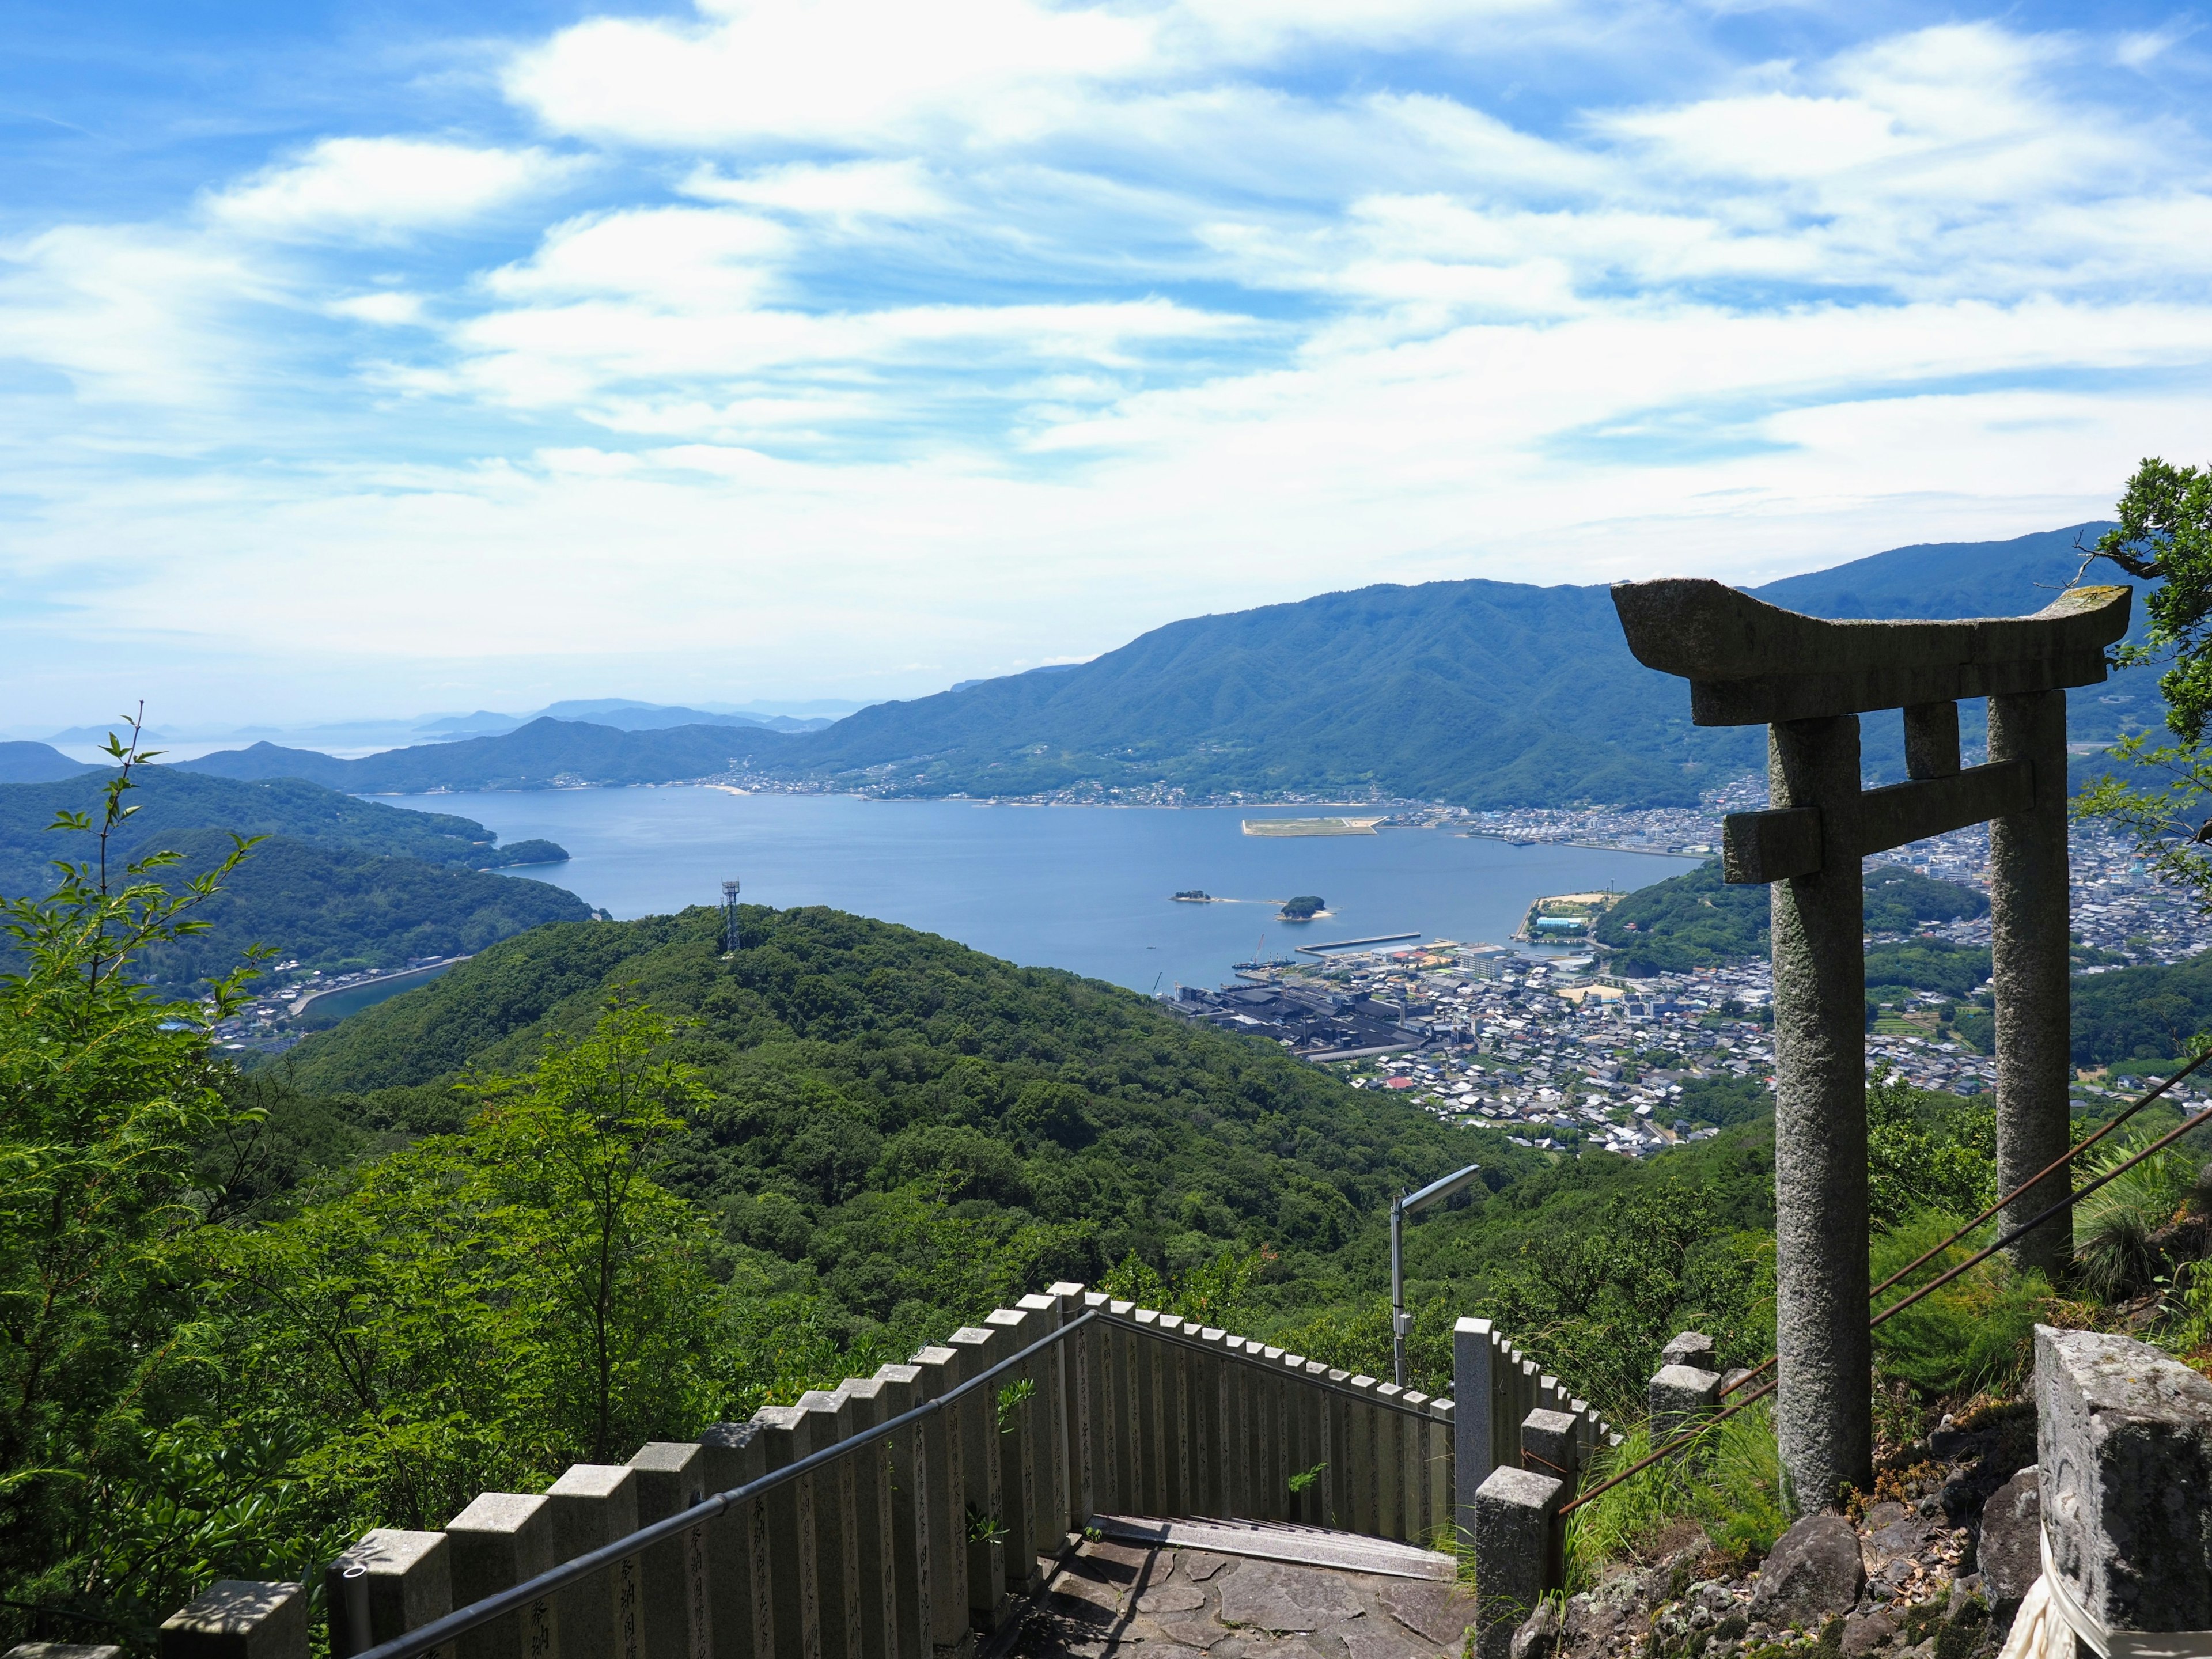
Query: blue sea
<point>1083,888</point>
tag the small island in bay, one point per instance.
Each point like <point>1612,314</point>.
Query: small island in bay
<point>1305,907</point>
<point>1195,895</point>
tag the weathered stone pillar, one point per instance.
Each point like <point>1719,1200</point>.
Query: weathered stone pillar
<point>2029,913</point>
<point>1516,1515</point>
<point>1019,1443</point>
<point>1471,1459</point>
<point>837,1556</point>
<point>1825,1415</point>
<point>784,1434</point>
<point>671,1477</point>
<point>593,1504</point>
<point>874,1534</point>
<point>239,1618</point>
<point>981,1348</point>
<point>939,1450</point>
<point>388,1583</point>
<point>1551,1440</point>
<point>742,1613</point>
<point>2124,1442</point>
<point>1678,1398</point>
<point>1389,1457</point>
<point>906,1478</point>
<point>1053,1502</point>
<point>502,1540</point>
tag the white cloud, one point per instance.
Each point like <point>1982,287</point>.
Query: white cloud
<point>848,192</point>
<point>379,188</point>
<point>390,310</point>
<point>839,71</point>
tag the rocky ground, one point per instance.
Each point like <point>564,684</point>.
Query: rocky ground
<point>1933,1567</point>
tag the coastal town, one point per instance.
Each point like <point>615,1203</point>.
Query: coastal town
<point>1535,1038</point>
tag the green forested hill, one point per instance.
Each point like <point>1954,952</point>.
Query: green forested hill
<point>340,909</point>
<point>340,884</point>
<point>172,802</point>
<point>539,755</point>
<point>904,1130</point>
<point>1698,920</point>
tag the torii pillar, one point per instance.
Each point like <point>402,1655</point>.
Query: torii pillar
<point>1806,681</point>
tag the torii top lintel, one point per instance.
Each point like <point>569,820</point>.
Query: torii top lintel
<point>1750,663</point>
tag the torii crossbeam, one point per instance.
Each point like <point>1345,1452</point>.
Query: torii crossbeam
<point>1808,680</point>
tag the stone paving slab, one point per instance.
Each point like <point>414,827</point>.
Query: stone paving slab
<point>1116,1600</point>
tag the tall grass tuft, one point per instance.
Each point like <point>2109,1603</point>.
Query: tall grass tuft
<point>1977,1332</point>
<point>2113,1255</point>
<point>1730,1481</point>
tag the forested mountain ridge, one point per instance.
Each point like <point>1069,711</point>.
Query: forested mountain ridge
<point>340,883</point>
<point>902,1130</point>
<point>1485,694</point>
<point>541,755</point>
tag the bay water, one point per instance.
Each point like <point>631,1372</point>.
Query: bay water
<point>1089,889</point>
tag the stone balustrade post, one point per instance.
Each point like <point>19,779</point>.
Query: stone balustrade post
<point>671,1477</point>
<point>389,1583</point>
<point>1079,1408</point>
<point>981,1347</point>
<point>1359,1488</point>
<point>1679,1397</point>
<point>239,1618</point>
<point>1049,1432</point>
<point>1471,1459</point>
<point>1413,1464</point>
<point>1443,1441</point>
<point>943,1459</point>
<point>1389,1457</point>
<point>593,1504</point>
<point>741,1611</point>
<point>873,1532</point>
<point>1551,1444</point>
<point>907,1480</point>
<point>503,1538</point>
<point>1516,1521</point>
<point>836,1556</point>
<point>1018,1447</point>
<point>2123,1444</point>
<point>784,1434</point>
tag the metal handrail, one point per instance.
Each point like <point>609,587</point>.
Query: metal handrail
<point>478,1613</point>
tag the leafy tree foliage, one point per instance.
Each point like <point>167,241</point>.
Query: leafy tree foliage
<point>2165,536</point>
<point>1697,920</point>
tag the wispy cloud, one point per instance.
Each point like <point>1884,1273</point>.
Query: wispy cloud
<point>1008,329</point>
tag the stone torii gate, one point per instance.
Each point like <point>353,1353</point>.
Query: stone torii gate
<point>1806,681</point>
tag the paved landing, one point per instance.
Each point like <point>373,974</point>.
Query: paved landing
<point>1160,1600</point>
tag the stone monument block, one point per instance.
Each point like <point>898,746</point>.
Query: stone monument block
<point>390,1583</point>
<point>239,1618</point>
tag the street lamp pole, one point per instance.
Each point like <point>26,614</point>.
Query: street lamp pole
<point>1402,1206</point>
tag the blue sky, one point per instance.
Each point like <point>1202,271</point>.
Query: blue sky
<point>386,358</point>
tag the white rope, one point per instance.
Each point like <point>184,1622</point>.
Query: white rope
<point>2051,1617</point>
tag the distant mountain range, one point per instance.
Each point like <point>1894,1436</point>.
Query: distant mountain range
<point>38,763</point>
<point>1487,694</point>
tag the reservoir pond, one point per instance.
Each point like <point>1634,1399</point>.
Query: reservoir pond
<point>1088,889</point>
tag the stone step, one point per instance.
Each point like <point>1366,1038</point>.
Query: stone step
<point>1280,1541</point>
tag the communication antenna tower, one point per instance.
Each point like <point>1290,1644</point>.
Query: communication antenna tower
<point>731,942</point>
